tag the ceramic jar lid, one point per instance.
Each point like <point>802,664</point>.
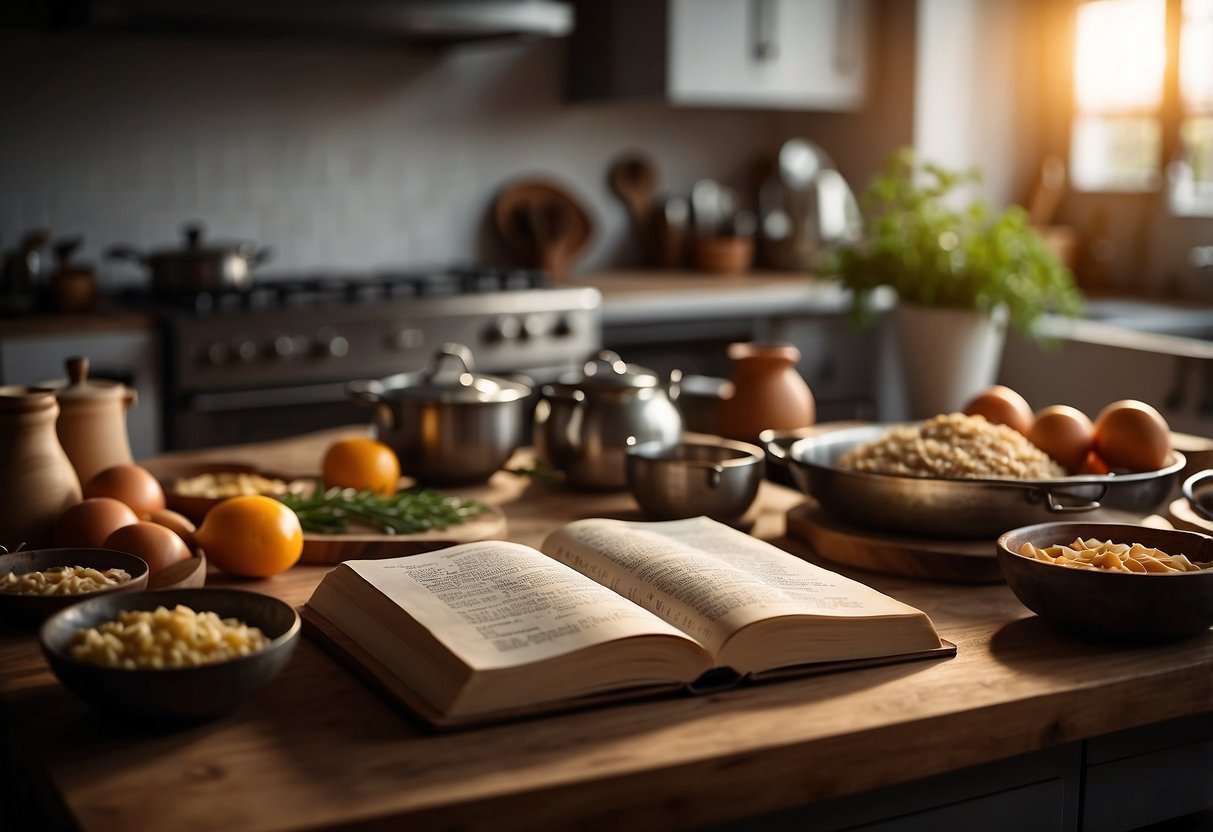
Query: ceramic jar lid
<point>79,388</point>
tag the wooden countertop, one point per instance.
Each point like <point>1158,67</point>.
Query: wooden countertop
<point>318,748</point>
<point>670,294</point>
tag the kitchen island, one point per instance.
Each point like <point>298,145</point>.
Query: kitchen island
<point>1025,725</point>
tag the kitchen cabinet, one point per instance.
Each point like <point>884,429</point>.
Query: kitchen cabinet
<point>777,54</point>
<point>1089,366</point>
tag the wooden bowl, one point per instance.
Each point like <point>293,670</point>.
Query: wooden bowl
<point>31,610</point>
<point>172,696</point>
<point>196,508</point>
<point>1112,606</point>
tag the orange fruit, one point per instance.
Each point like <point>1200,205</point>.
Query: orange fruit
<point>362,464</point>
<point>252,536</point>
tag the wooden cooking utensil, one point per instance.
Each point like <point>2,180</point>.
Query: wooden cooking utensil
<point>543,224</point>
<point>633,178</point>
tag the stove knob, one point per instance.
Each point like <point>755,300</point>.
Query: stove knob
<point>216,354</point>
<point>331,345</point>
<point>503,329</point>
<point>283,346</point>
<point>532,326</point>
<point>244,349</point>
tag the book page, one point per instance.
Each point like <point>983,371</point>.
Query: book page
<point>709,579</point>
<point>498,604</point>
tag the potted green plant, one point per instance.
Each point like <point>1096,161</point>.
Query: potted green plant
<point>961,275</point>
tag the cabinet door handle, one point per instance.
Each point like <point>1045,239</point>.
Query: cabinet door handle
<point>764,26</point>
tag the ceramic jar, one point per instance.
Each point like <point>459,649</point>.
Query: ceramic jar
<point>92,420</point>
<point>768,392</point>
<point>37,482</point>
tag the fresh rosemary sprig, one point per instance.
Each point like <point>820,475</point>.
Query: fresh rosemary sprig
<point>405,512</point>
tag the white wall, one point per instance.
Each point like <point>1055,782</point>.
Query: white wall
<point>965,93</point>
<point>336,155</point>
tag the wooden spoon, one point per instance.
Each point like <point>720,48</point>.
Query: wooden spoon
<point>633,178</point>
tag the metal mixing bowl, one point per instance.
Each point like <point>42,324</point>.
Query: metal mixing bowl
<point>718,478</point>
<point>962,507</point>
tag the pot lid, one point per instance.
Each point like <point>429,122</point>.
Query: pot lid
<point>78,387</point>
<point>607,371</point>
<point>195,248</point>
<point>449,378</point>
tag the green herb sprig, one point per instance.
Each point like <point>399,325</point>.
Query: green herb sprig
<point>405,512</point>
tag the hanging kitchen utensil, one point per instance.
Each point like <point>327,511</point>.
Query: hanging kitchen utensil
<point>633,178</point>
<point>198,267</point>
<point>543,224</point>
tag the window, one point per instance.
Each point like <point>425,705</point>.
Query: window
<point>1143,95</point>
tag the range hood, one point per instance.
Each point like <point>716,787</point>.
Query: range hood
<point>441,21</point>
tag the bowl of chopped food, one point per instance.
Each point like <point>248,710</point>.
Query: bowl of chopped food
<point>958,476</point>
<point>199,489</point>
<point>37,583</point>
<point>1112,581</point>
<point>170,656</point>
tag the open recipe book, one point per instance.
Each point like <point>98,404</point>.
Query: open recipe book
<point>609,608</point>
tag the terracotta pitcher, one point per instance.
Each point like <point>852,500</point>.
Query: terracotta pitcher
<point>92,420</point>
<point>768,392</point>
<point>37,482</point>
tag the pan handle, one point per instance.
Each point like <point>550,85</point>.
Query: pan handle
<point>776,453</point>
<point>1189,491</point>
<point>1055,506</point>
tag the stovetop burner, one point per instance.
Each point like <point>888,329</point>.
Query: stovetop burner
<point>296,291</point>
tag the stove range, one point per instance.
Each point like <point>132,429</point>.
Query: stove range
<point>274,359</point>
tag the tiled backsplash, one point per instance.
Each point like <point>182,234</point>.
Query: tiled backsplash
<point>335,155</point>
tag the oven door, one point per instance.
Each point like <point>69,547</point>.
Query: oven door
<point>230,417</point>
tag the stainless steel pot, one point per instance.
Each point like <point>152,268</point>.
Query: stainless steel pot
<point>717,478</point>
<point>197,267</point>
<point>960,507</point>
<point>448,425</point>
<point>585,424</point>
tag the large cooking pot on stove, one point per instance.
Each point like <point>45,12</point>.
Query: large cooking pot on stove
<point>585,424</point>
<point>447,424</point>
<point>198,266</point>
<point>972,508</point>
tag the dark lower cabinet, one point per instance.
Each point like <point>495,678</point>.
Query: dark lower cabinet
<point>1157,778</point>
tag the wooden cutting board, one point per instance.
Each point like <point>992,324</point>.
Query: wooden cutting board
<point>334,548</point>
<point>941,559</point>
<point>1183,516</point>
<point>961,561</point>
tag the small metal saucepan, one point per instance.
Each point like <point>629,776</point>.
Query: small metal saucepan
<point>1201,504</point>
<point>448,425</point>
<point>717,478</point>
<point>960,507</point>
<point>197,267</point>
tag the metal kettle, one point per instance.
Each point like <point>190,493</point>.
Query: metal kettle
<point>584,425</point>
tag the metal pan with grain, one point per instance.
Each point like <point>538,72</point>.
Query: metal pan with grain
<point>961,507</point>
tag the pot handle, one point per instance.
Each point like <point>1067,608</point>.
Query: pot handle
<point>125,252</point>
<point>1189,491</point>
<point>776,453</point>
<point>673,387</point>
<point>370,393</point>
<point>1054,506</point>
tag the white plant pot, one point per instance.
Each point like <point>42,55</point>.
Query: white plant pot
<point>947,355</point>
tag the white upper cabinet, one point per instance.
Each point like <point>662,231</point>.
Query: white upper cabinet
<point>777,54</point>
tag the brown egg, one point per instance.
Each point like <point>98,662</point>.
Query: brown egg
<point>157,545</point>
<point>1002,406</point>
<point>88,523</point>
<point>179,523</point>
<point>1132,435</point>
<point>132,484</point>
<point>1064,433</point>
